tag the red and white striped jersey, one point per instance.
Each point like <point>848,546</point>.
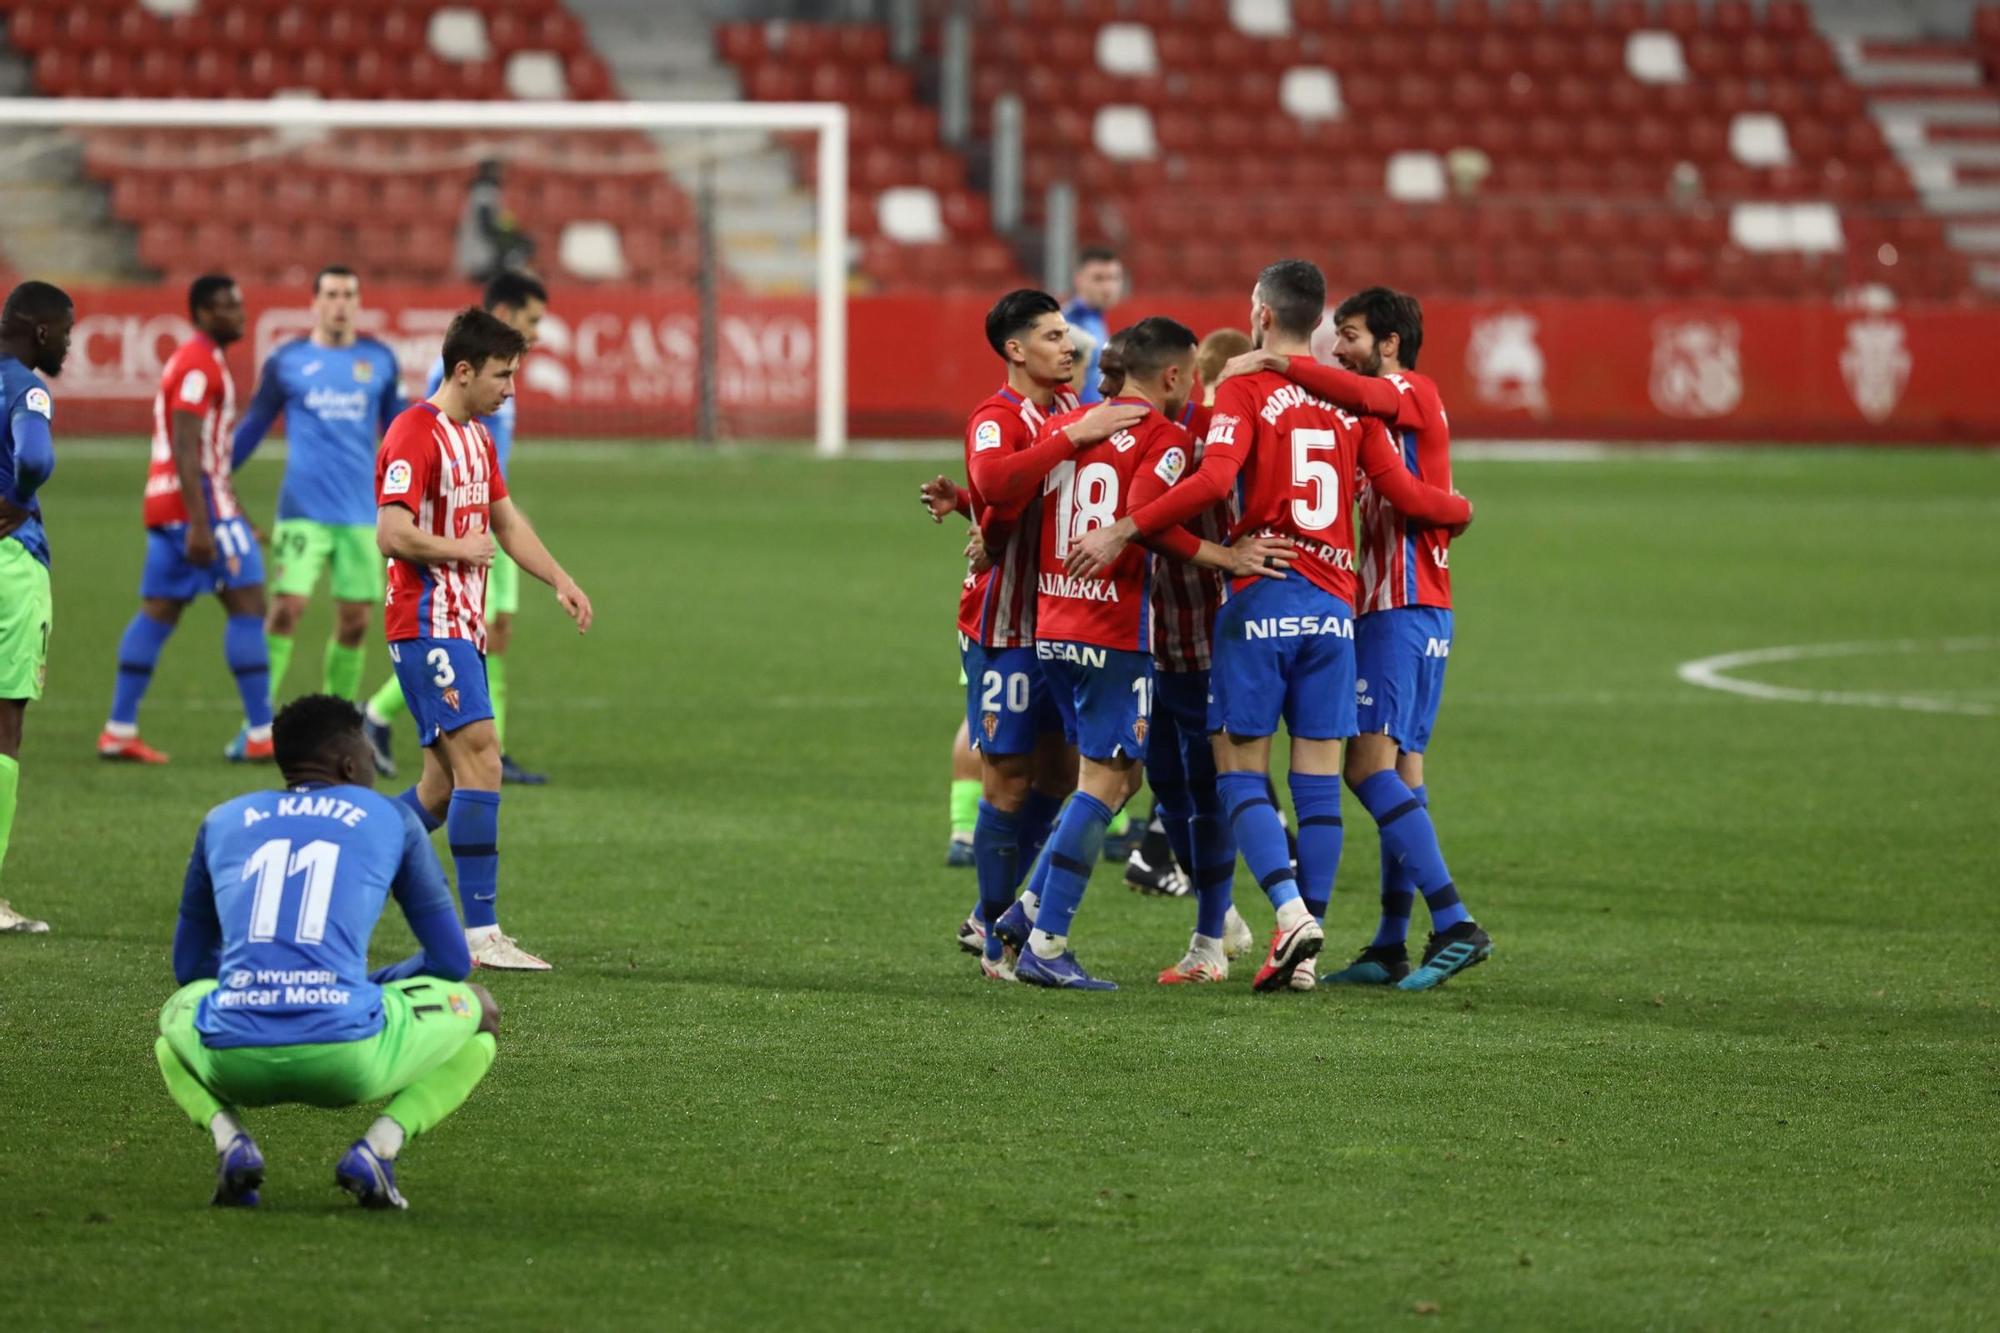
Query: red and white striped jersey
<point>447,474</point>
<point>196,381</point>
<point>1186,596</point>
<point>1405,563</point>
<point>996,607</point>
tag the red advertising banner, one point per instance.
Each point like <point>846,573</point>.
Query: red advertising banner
<point>614,364</point>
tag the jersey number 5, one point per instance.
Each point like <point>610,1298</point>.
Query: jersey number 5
<point>1084,500</point>
<point>275,862</point>
<point>1319,475</point>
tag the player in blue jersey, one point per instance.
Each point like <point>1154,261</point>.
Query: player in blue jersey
<point>35,325</point>
<point>338,392</point>
<point>518,301</point>
<point>276,1001</point>
<point>1099,284</point>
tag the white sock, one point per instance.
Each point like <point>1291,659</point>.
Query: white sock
<point>1292,913</point>
<point>225,1127</point>
<point>262,733</point>
<point>375,718</point>
<point>124,731</point>
<point>1031,903</point>
<point>1046,945</point>
<point>384,1138</point>
<point>1210,950</point>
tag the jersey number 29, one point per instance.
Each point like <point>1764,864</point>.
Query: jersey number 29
<point>275,862</point>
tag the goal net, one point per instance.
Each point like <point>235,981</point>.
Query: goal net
<point>695,254</point>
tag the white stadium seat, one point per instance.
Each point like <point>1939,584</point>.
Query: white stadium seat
<point>1415,177</point>
<point>591,250</point>
<point>459,35</point>
<point>1310,92</point>
<point>910,214</point>
<point>1261,18</point>
<point>1757,139</point>
<point>536,76</point>
<point>1655,57</point>
<point>1809,228</point>
<point>1127,49</point>
<point>1125,133</point>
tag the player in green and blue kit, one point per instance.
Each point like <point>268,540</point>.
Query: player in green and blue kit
<point>338,392</point>
<point>34,338</point>
<point>276,1001</point>
<point>518,301</point>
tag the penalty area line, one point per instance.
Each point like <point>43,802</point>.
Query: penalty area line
<point>1713,673</point>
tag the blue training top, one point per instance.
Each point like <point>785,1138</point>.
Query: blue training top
<point>337,402</point>
<point>283,890</point>
<point>1091,320</point>
<point>27,449</point>
<point>500,425</point>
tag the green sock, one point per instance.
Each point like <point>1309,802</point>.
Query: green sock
<point>421,1106</point>
<point>387,703</point>
<point>1119,823</point>
<point>10,784</point>
<point>343,669</point>
<point>496,690</point>
<point>964,805</point>
<point>188,1093</point>
<point>279,646</point>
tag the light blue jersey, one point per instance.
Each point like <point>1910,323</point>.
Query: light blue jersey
<point>337,401</point>
<point>283,890</point>
<point>27,454</point>
<point>1090,320</point>
<point>500,425</point>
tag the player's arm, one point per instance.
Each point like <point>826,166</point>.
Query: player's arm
<point>265,405</point>
<point>1005,478</point>
<point>186,428</point>
<point>1205,487</point>
<point>34,464</point>
<point>198,933</point>
<point>1159,472</point>
<point>1413,498</point>
<point>419,889</point>
<point>1363,395</point>
<point>518,539</point>
<point>398,537</point>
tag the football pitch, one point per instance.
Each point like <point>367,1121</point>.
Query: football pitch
<point>1735,1061</point>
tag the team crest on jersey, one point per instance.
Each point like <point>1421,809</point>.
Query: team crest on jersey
<point>1139,730</point>
<point>451,697</point>
<point>364,372</point>
<point>36,400</point>
<point>1172,463</point>
<point>396,481</point>
<point>458,1005</point>
<point>986,437</point>
<point>990,724</point>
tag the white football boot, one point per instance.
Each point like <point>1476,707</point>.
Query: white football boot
<point>1236,937</point>
<point>501,952</point>
<point>11,920</point>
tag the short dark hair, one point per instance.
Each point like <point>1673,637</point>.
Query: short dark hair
<point>1014,314</point>
<point>476,337</point>
<point>513,290</point>
<point>1295,290</point>
<point>1096,254</point>
<point>34,303</point>
<point>1145,349</point>
<point>333,271</point>
<point>309,727</point>
<point>1386,311</point>
<point>204,289</point>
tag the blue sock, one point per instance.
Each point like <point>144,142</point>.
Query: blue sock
<point>1073,849</point>
<point>431,822</point>
<point>1037,817</point>
<point>996,859</point>
<point>1407,834</point>
<point>1398,894</point>
<point>1212,865</point>
<point>472,827</point>
<point>1260,834</point>
<point>1171,801</point>
<point>1316,799</point>
<point>250,662</point>
<point>138,654</point>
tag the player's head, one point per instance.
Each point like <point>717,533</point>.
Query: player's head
<point>336,302</point>
<point>519,300</point>
<point>318,738</point>
<point>1099,277</point>
<point>215,304</point>
<point>1026,329</point>
<point>1377,328</point>
<point>1215,351</point>
<point>1287,302</point>
<point>1153,359</point>
<point>35,325</point>
<point>481,354</point>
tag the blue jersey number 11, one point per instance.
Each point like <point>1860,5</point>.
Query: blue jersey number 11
<point>275,862</point>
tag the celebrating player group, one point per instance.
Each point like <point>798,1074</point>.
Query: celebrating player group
<point>1157,582</point>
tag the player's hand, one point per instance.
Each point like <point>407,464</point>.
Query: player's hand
<point>1098,550</point>
<point>575,603</point>
<point>1249,363</point>
<point>1262,557</point>
<point>200,547</point>
<point>258,535</point>
<point>1104,421</point>
<point>976,555</point>
<point>939,497</point>
<point>475,550</point>
<point>12,516</point>
<point>1458,529</point>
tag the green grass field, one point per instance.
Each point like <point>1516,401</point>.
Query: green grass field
<point>1736,1061</point>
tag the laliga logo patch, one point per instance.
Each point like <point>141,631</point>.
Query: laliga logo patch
<point>451,697</point>
<point>986,437</point>
<point>36,400</point>
<point>396,481</point>
<point>990,724</point>
<point>1172,463</point>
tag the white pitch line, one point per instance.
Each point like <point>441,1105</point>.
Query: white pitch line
<point>1709,674</point>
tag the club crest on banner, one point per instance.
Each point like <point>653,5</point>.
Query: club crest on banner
<point>1697,369</point>
<point>1876,365</point>
<point>1506,363</point>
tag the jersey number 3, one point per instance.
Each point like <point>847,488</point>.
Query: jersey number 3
<point>274,863</point>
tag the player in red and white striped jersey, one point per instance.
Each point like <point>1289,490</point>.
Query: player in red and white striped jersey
<point>441,503</point>
<point>197,539</point>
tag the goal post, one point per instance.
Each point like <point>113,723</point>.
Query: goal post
<point>649,218</point>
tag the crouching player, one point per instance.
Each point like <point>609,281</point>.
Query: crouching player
<point>1093,636</point>
<point>276,1003</point>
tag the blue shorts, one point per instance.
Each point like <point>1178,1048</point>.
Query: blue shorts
<point>444,682</point>
<point>1105,694</point>
<point>239,563</point>
<point>1283,649</point>
<point>1399,659</point>
<point>1007,703</point>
